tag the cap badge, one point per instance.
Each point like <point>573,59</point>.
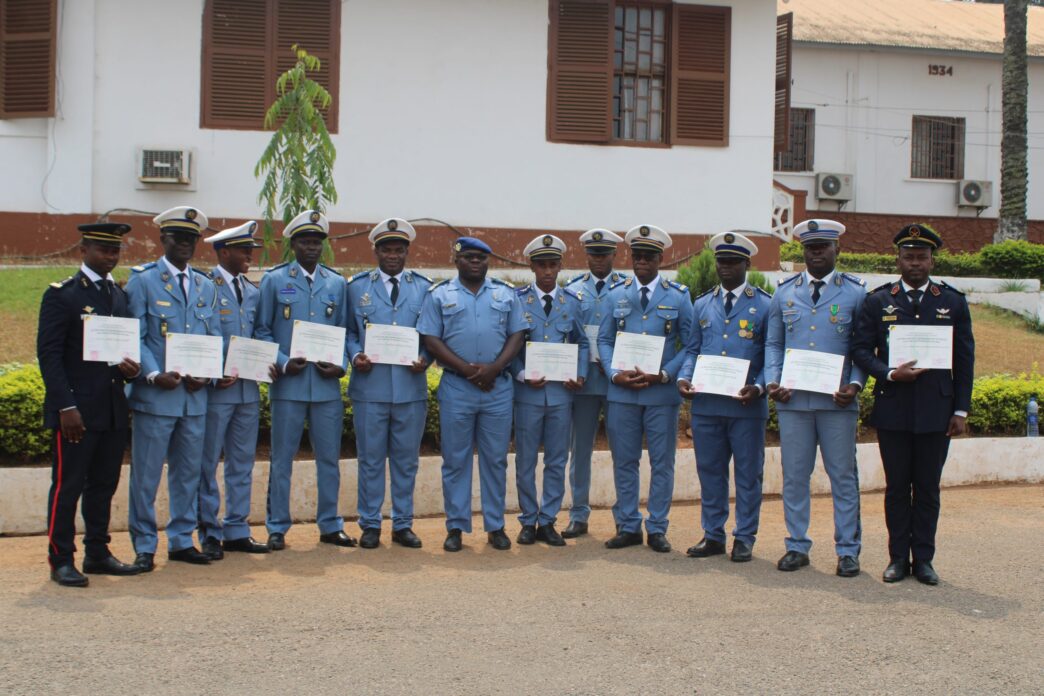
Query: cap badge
<point>393,225</point>
<point>813,225</point>
<point>915,231</point>
<point>457,247</point>
<point>190,214</point>
<point>597,236</point>
<point>547,241</point>
<point>314,217</point>
<point>730,238</point>
<point>644,231</point>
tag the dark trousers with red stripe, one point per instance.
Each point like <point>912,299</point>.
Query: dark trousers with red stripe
<point>913,464</point>
<point>89,468</point>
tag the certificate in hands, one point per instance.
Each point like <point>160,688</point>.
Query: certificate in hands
<point>250,359</point>
<point>392,345</point>
<point>930,346</point>
<point>317,342</point>
<point>111,339</point>
<point>193,355</point>
<point>717,374</point>
<point>637,350</point>
<point>555,362</point>
<point>810,370</point>
<point>592,339</point>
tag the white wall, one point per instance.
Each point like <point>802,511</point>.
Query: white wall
<point>442,114</point>
<point>865,100</point>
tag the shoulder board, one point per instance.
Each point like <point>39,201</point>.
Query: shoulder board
<point>523,290</point>
<point>571,293</point>
<point>617,284</point>
<point>678,286</point>
<point>421,276</point>
<point>210,274</point>
<point>247,280</point>
<point>783,282</point>
<point>438,284</point>
<point>359,276</point>
<point>502,282</point>
<point>205,274</point>
<point>855,279</point>
<point>579,278</point>
<point>943,284</point>
<point>763,291</point>
<point>705,293</point>
<point>278,266</point>
<point>885,286</point>
<point>62,283</point>
<point>143,267</point>
<point>332,270</point>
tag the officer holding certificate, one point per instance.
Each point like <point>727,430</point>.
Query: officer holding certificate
<point>85,408</point>
<point>170,409</point>
<point>389,401</point>
<point>543,408</point>
<point>643,404</point>
<point>307,292</point>
<point>916,411</point>
<point>233,405</point>
<point>589,404</point>
<point>816,310</point>
<point>729,321</point>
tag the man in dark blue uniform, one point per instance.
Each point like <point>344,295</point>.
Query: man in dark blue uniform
<point>916,410</point>
<point>86,407</point>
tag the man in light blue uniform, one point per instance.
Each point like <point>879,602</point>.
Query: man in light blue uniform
<point>304,290</point>
<point>543,408</point>
<point>169,296</point>
<point>233,405</point>
<point>644,403</point>
<point>590,403</point>
<point>390,402</point>
<point>729,320</point>
<point>473,325</point>
<point>816,310</point>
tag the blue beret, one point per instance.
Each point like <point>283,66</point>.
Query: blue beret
<point>471,244</point>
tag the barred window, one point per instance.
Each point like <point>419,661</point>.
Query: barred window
<point>937,147</point>
<point>640,72</point>
<point>799,155</point>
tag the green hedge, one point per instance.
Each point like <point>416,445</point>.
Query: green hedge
<point>700,275</point>
<point>1009,259</point>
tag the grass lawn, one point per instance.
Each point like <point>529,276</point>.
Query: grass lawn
<point>1004,343</point>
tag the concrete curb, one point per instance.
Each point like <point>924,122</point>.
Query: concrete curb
<point>23,491</point>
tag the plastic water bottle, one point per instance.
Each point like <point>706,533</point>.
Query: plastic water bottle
<point>1032,423</point>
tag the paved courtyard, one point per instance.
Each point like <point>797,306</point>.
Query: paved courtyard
<point>578,620</point>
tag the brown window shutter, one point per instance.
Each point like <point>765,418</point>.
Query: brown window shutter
<point>700,75</point>
<point>315,26</point>
<point>580,71</point>
<point>236,90</point>
<point>28,31</point>
<point>784,36</point>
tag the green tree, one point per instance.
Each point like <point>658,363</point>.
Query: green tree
<point>1014,170</point>
<point>297,164</point>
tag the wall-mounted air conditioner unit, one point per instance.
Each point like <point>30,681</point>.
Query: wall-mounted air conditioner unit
<point>834,187</point>
<point>974,194</point>
<point>156,166</point>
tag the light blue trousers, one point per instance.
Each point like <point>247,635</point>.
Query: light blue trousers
<point>586,409</point>
<point>535,426</point>
<point>717,440</point>
<point>659,425</point>
<point>392,433</point>
<point>232,429</point>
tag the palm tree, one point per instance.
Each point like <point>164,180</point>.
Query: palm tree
<point>1014,171</point>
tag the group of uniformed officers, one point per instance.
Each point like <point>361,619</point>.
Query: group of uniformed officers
<point>477,327</point>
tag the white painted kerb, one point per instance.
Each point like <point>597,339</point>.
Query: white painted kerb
<point>23,491</point>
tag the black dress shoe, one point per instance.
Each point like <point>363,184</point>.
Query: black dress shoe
<point>499,540</point>
<point>741,551</point>
<point>338,538</point>
<point>246,545</point>
<point>925,573</point>
<point>453,541</point>
<point>574,530</point>
<point>706,547</point>
<point>625,539</point>
<point>276,541</point>
<point>896,570</point>
<point>68,576</point>
<point>371,538</point>
<point>847,567</point>
<point>189,555</point>
<point>406,537</point>
<point>657,541</point>
<point>144,562</point>
<point>792,560</point>
<point>212,548</point>
<point>549,535</point>
<point>108,566</point>
<point>526,535</point>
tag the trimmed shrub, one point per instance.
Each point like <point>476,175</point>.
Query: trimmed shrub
<point>700,275</point>
<point>22,434</point>
<point>1014,259</point>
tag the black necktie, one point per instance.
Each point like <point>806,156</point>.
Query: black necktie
<point>598,287</point>
<point>728,302</point>
<point>547,305</point>
<point>915,299</point>
<point>816,285</point>
<point>105,287</point>
<point>645,298</point>
<point>239,291</point>
<point>181,284</point>
<point>309,279</point>
<point>395,289</point>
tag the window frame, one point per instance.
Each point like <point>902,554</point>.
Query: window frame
<point>667,72</point>
<point>808,123</point>
<point>957,156</point>
<point>52,66</point>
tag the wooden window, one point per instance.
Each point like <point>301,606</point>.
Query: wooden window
<point>801,136</point>
<point>937,147</point>
<point>247,45</point>
<point>641,72</point>
<point>28,30</point>
<point>784,35</point>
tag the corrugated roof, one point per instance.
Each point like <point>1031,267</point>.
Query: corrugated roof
<point>949,25</point>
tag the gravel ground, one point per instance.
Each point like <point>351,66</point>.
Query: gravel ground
<point>577,620</point>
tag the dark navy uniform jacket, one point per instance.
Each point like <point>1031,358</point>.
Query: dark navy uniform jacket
<point>926,404</point>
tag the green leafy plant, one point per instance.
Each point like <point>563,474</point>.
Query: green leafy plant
<point>297,165</point>
<point>1013,286</point>
<point>1014,259</point>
